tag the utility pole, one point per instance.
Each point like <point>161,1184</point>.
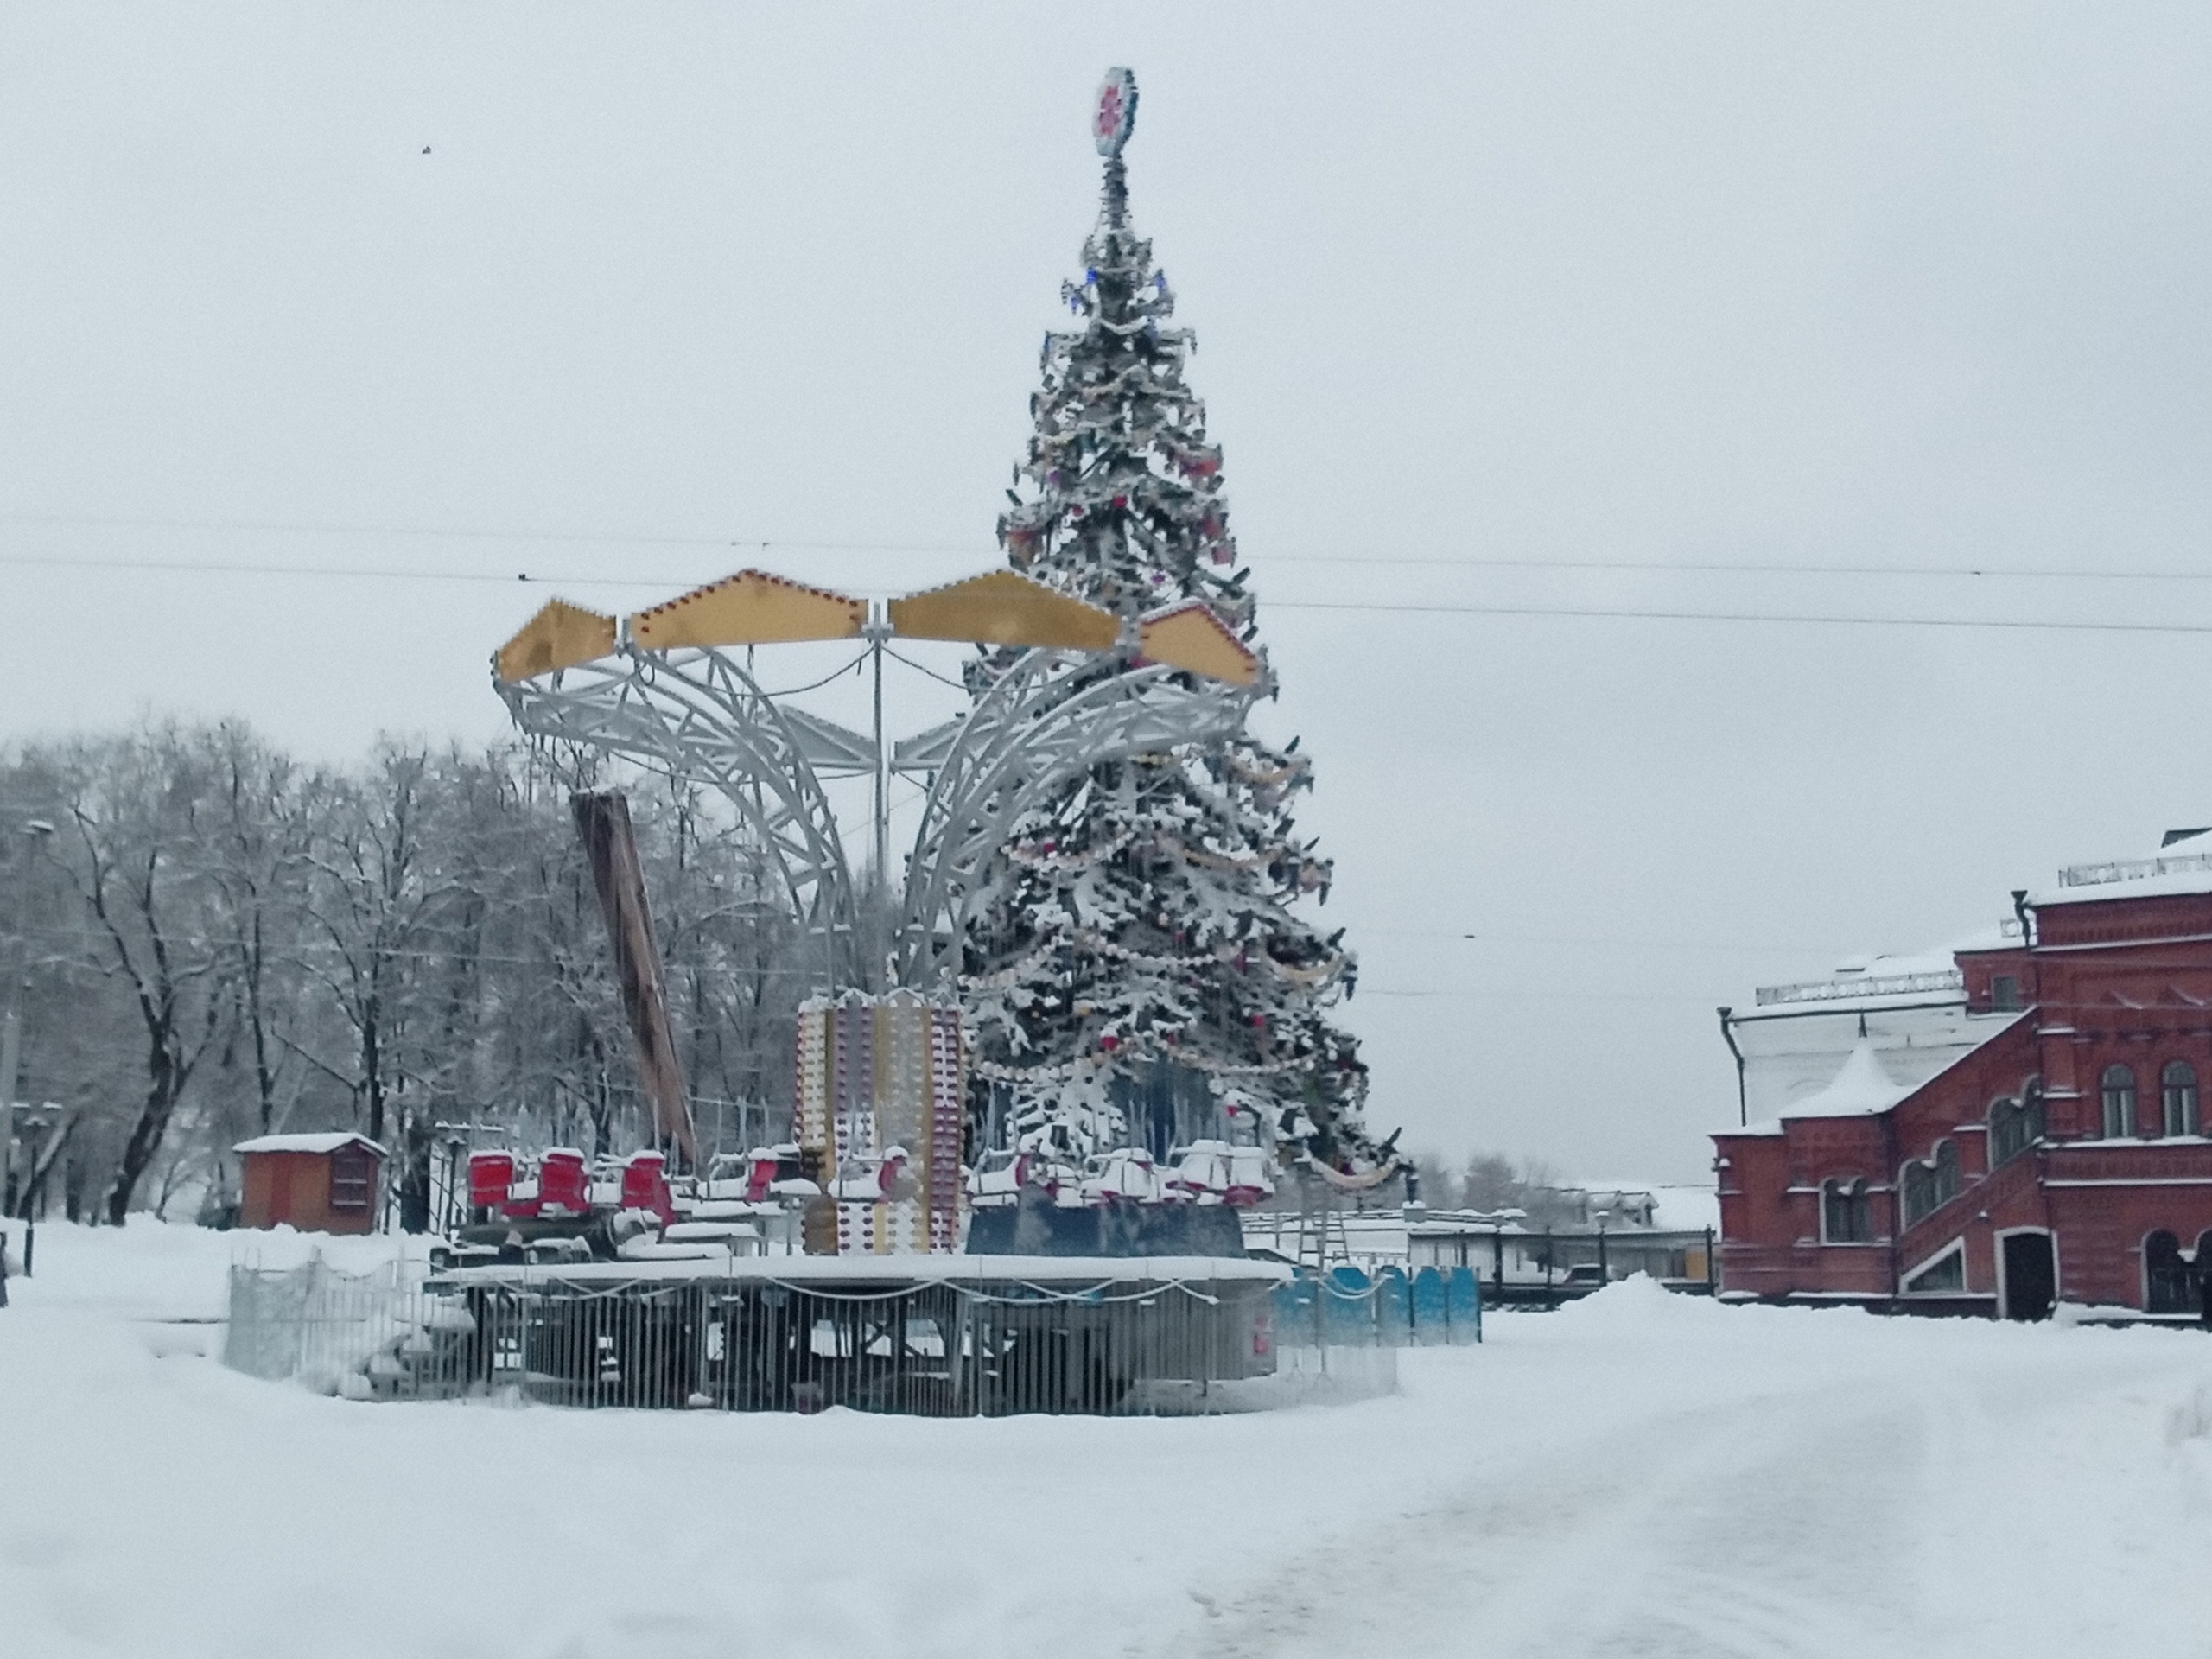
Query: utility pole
<point>876,630</point>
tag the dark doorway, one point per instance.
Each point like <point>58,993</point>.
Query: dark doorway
<point>2031,1276</point>
<point>2169,1284</point>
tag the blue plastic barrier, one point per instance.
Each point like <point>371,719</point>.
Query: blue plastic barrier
<point>1297,1319</point>
<point>1463,1304</point>
<point>1432,1317</point>
<point>1348,1306</point>
<point>1394,1308</point>
<point>1345,1308</point>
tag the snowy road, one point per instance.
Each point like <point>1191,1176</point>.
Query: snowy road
<point>1641,1474</point>
<point>1854,1487</point>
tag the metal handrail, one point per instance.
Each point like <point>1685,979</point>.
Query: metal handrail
<point>1839,990</point>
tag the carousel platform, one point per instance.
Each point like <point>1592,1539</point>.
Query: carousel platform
<point>928,1335</point>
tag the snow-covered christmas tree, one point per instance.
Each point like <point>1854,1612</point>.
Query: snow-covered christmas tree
<point>1140,976</point>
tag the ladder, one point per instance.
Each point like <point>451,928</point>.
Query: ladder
<point>1322,1241</point>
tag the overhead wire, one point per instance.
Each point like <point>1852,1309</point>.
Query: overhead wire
<point>816,685</point>
<point>1378,607</point>
<point>1605,942</point>
<point>434,532</point>
<point>766,543</point>
<point>1806,618</point>
<point>943,679</point>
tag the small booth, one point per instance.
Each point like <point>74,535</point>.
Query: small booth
<point>323,1183</point>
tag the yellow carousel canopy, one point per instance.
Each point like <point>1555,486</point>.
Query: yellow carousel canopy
<point>1190,635</point>
<point>1004,608</point>
<point>560,636</point>
<point>750,608</point>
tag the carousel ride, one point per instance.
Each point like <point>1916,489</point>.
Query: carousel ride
<point>830,1270</point>
<point>874,1165</point>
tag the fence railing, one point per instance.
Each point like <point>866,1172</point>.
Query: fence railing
<point>927,1348</point>
<point>1844,990</point>
<point>2134,869</point>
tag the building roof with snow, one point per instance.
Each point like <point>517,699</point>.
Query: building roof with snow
<point>1865,982</point>
<point>1862,1087</point>
<point>325,1141</point>
<point>2180,865</point>
<point>1655,1204</point>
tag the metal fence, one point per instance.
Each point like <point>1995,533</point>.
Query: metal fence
<point>930,1348</point>
<point>336,1331</point>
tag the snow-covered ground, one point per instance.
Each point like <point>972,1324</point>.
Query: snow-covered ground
<point>1640,1473</point>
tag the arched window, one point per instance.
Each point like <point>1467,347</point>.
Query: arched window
<point>2015,1125</point>
<point>1932,1183</point>
<point>2168,1286</point>
<point>2177,1108</point>
<point>2118,1090</point>
<point>1846,1212</point>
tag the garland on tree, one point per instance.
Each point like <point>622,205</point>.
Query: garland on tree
<point>1143,916</point>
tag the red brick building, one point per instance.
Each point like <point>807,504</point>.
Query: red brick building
<point>2061,1157</point>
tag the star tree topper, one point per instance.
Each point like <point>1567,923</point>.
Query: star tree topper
<point>1117,111</point>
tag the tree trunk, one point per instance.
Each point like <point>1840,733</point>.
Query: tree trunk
<point>265,1075</point>
<point>373,1070</point>
<point>415,1175</point>
<point>162,1085</point>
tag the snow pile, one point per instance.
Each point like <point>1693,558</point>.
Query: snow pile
<point>1640,1304</point>
<point>1640,1473</point>
<point>149,1271</point>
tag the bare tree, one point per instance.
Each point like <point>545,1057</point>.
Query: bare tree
<point>256,870</point>
<point>1491,1182</point>
<point>229,942</point>
<point>374,898</point>
<point>135,809</point>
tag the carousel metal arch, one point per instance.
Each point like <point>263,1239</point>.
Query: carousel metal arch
<point>1085,688</point>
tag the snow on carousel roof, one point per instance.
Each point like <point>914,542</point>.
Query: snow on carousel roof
<point>326,1142</point>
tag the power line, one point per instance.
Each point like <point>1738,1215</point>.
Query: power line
<point>367,573</point>
<point>432,532</point>
<point>1630,614</point>
<point>1449,995</point>
<point>1746,568</point>
<point>1573,611</point>
<point>1608,942</point>
<point>766,543</point>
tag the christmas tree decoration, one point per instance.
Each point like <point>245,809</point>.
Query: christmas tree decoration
<point>1137,975</point>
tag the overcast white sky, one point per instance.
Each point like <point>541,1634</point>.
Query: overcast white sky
<point>1913,286</point>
